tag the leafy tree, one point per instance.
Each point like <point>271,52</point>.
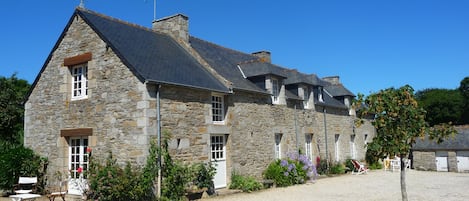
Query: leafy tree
<point>21,161</point>
<point>13,91</point>
<point>442,105</point>
<point>398,121</point>
<point>464,89</point>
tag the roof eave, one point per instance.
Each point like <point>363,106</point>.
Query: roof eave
<point>227,91</point>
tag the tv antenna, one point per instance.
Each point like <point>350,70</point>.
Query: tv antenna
<point>154,10</point>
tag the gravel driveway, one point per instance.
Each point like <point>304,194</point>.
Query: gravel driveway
<point>376,185</point>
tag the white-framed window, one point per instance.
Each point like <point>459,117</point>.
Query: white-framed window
<point>79,81</point>
<point>217,143</point>
<point>366,139</point>
<point>78,156</point>
<point>306,97</point>
<point>278,145</point>
<point>353,151</point>
<point>218,108</point>
<point>320,94</point>
<point>275,90</point>
<point>337,147</point>
<point>308,146</point>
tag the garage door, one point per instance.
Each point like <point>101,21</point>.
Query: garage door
<point>463,161</point>
<point>441,160</point>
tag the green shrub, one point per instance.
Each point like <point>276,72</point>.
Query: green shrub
<point>109,182</point>
<point>296,169</point>
<point>322,166</point>
<point>246,184</point>
<point>337,169</point>
<point>276,172</point>
<point>375,166</point>
<point>349,165</point>
<point>203,176</point>
<point>21,161</point>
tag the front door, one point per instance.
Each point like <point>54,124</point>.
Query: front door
<point>441,159</point>
<point>218,158</point>
<point>78,164</point>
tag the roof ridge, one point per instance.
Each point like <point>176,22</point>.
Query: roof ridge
<point>223,47</point>
<point>116,19</point>
<point>258,60</point>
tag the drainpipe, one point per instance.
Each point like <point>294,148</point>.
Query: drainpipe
<point>296,132</point>
<point>158,131</point>
<point>325,134</point>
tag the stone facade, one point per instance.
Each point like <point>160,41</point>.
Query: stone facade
<point>117,108</point>
<point>425,160</point>
<point>120,112</point>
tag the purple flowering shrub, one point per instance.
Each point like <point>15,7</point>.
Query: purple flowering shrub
<point>295,169</point>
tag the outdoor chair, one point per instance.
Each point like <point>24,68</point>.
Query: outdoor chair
<point>58,191</point>
<point>360,168</point>
<point>25,185</point>
<point>396,164</point>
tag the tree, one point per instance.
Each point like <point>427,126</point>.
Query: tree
<point>442,105</point>
<point>398,121</point>
<point>464,89</point>
<point>13,91</point>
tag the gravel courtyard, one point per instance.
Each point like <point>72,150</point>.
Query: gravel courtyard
<point>376,185</point>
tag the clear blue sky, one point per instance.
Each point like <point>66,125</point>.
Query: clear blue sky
<point>371,45</point>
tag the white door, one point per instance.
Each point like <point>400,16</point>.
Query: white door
<point>462,158</point>
<point>441,159</point>
<point>218,157</point>
<point>78,163</point>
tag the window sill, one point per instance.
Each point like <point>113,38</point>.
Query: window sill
<point>219,122</point>
<point>79,98</point>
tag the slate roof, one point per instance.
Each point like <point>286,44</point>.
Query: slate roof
<point>257,68</point>
<point>460,142</point>
<point>329,101</point>
<point>158,58</point>
<point>150,55</point>
<point>225,61</point>
<point>338,90</point>
<point>295,77</point>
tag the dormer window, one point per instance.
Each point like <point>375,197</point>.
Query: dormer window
<point>275,90</point>
<point>79,81</point>
<point>305,96</point>
<point>320,94</point>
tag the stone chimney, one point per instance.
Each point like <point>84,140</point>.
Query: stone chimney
<point>263,55</point>
<point>177,26</point>
<point>332,79</point>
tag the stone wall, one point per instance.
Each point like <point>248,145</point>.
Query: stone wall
<point>117,107</point>
<point>121,111</point>
<point>424,160</point>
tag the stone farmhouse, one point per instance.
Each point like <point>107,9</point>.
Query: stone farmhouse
<point>105,82</point>
<point>451,155</point>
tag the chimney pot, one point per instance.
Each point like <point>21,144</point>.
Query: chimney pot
<point>335,80</point>
<point>263,55</point>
